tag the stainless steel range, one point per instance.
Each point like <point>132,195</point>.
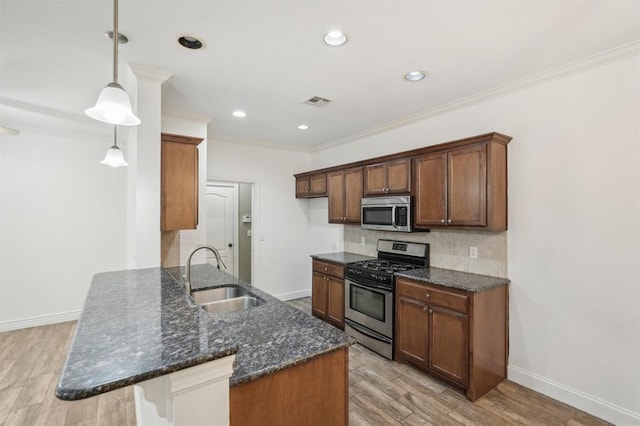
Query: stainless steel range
<point>370,289</point>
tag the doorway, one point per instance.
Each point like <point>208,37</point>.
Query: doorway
<point>229,214</point>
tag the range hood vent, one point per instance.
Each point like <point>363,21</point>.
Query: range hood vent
<point>317,101</point>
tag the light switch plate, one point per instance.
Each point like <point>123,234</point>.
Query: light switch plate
<point>473,252</point>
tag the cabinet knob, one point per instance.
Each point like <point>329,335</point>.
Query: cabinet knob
<point>428,295</point>
<point>449,221</point>
<point>325,269</point>
<point>430,311</point>
<point>441,220</point>
<point>424,308</point>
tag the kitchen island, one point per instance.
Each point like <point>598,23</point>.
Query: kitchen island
<point>139,325</point>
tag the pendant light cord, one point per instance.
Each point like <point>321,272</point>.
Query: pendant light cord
<point>115,41</point>
<point>115,136</point>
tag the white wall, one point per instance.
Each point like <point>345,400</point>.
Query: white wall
<point>282,229</point>
<point>62,221</point>
<point>574,228</point>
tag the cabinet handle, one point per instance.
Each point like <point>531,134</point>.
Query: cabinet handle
<point>428,295</point>
<point>424,308</point>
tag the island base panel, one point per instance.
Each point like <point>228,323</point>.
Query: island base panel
<point>313,393</point>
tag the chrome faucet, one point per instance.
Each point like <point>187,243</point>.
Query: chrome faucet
<point>187,282</point>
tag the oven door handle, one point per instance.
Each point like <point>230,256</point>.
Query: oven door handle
<point>373,286</point>
<point>369,333</point>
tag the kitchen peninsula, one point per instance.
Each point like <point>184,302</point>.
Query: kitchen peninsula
<point>139,327</point>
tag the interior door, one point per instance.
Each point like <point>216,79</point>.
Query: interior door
<point>221,205</point>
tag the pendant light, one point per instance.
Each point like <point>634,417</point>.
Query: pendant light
<point>114,157</point>
<point>113,105</point>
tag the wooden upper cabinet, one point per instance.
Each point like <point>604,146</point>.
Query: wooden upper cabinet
<point>431,191</point>
<point>467,186</point>
<point>345,195</point>
<point>459,184</point>
<point>311,186</point>
<point>179,182</point>
<point>388,178</point>
<point>336,190</point>
<point>463,188</point>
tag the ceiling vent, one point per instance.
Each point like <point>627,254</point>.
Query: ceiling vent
<point>317,101</point>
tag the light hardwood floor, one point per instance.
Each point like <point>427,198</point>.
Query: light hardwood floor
<point>381,392</point>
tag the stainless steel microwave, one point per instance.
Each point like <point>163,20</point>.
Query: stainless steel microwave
<point>387,213</point>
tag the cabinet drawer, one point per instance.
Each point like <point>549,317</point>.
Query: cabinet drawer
<point>328,268</point>
<point>456,300</point>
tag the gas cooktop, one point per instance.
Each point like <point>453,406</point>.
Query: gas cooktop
<point>383,266</point>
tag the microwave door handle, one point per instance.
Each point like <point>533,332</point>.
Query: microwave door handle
<point>393,216</point>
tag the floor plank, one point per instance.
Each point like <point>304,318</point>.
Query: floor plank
<point>382,392</point>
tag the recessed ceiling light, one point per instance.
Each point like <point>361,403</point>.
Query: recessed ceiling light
<point>335,38</point>
<point>190,42</point>
<point>415,75</point>
<point>239,114</point>
<point>303,127</point>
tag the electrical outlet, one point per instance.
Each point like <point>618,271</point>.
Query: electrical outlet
<point>362,240</point>
<point>473,252</point>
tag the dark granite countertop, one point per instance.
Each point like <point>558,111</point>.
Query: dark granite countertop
<point>341,257</point>
<point>454,279</point>
<point>139,324</point>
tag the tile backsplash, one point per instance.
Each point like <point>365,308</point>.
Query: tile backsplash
<point>448,249</point>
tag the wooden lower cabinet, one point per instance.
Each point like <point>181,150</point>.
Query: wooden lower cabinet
<point>327,292</point>
<point>457,336</point>
<point>313,393</point>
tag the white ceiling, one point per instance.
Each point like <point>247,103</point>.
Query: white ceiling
<point>267,57</point>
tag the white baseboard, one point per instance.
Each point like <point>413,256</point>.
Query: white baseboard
<point>574,397</point>
<point>36,321</point>
<point>294,295</point>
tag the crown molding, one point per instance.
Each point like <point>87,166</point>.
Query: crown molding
<point>187,115</point>
<point>616,54</point>
<point>213,137</point>
<point>140,71</point>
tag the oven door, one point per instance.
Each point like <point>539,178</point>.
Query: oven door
<point>369,305</point>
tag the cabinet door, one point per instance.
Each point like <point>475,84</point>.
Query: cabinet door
<point>375,182</point>
<point>302,187</point>
<point>353,195</point>
<point>318,184</point>
<point>448,344</point>
<point>179,186</point>
<point>399,176</point>
<point>430,190</point>
<point>467,187</point>
<point>336,190</point>
<point>319,295</point>
<point>335,301</point>
<point>411,329</point>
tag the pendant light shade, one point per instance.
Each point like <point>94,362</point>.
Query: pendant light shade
<point>114,157</point>
<point>113,105</point>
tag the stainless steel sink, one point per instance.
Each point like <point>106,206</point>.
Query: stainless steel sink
<point>232,305</point>
<point>231,298</point>
<point>216,294</point>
